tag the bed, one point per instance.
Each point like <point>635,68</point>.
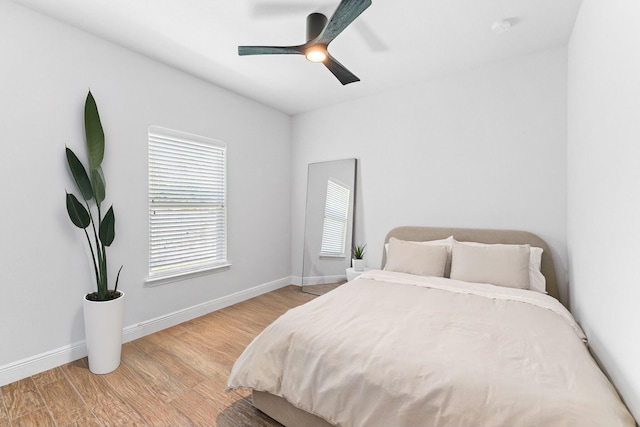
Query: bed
<point>407,347</point>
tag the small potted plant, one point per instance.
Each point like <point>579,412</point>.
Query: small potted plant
<point>103,308</point>
<point>358,257</point>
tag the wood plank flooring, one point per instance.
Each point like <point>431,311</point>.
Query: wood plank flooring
<point>175,377</point>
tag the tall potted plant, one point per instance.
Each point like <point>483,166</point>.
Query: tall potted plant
<point>103,308</point>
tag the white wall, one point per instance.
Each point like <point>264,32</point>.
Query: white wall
<point>46,70</point>
<point>604,186</point>
<point>485,148</point>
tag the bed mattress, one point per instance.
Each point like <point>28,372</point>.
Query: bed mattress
<point>404,350</point>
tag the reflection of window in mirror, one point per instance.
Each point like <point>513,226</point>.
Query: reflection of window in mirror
<point>336,214</point>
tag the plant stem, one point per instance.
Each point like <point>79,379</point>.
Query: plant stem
<point>93,257</point>
<point>98,256</point>
<point>105,281</point>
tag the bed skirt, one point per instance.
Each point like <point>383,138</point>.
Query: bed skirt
<point>284,412</point>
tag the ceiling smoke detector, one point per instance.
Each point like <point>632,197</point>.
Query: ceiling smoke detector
<point>500,27</point>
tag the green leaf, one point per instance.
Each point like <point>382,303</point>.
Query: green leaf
<point>99,186</point>
<point>117,279</point>
<point>358,251</point>
<point>94,133</point>
<point>78,214</point>
<point>79,175</point>
<point>107,230</point>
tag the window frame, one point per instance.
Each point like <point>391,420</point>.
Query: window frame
<point>329,214</point>
<point>155,278</point>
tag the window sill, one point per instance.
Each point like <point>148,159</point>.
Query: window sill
<point>334,257</point>
<point>161,280</point>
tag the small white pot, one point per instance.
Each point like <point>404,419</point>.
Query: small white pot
<point>103,331</point>
<point>357,264</point>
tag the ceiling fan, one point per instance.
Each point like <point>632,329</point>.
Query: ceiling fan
<point>320,33</point>
<point>274,9</point>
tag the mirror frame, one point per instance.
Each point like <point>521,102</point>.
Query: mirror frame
<point>312,259</point>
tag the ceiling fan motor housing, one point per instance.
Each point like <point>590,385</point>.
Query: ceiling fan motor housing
<point>315,24</point>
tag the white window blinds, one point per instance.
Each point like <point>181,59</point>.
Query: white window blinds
<point>187,203</point>
<point>336,213</point>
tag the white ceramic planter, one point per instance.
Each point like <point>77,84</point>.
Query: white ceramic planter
<point>357,264</point>
<point>103,331</point>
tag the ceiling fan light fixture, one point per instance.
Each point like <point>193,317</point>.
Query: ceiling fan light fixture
<point>316,53</point>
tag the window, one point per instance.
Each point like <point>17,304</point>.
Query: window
<point>336,213</point>
<point>187,204</point>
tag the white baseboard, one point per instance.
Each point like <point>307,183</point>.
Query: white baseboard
<point>148,327</point>
<point>48,360</point>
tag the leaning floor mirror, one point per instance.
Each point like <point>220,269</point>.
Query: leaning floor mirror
<point>328,233</point>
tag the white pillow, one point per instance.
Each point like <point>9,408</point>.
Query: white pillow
<point>537,282</point>
<point>448,242</point>
<point>415,258</point>
<point>502,265</point>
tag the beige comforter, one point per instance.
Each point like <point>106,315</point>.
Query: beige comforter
<point>392,349</point>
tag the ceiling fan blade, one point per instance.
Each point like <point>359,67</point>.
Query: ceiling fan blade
<point>270,50</point>
<point>340,71</point>
<point>345,14</point>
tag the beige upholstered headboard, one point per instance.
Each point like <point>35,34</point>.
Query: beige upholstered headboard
<point>420,234</point>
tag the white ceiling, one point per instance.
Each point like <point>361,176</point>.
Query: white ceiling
<point>392,43</point>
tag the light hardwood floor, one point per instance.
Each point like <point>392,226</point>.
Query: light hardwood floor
<point>175,377</point>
